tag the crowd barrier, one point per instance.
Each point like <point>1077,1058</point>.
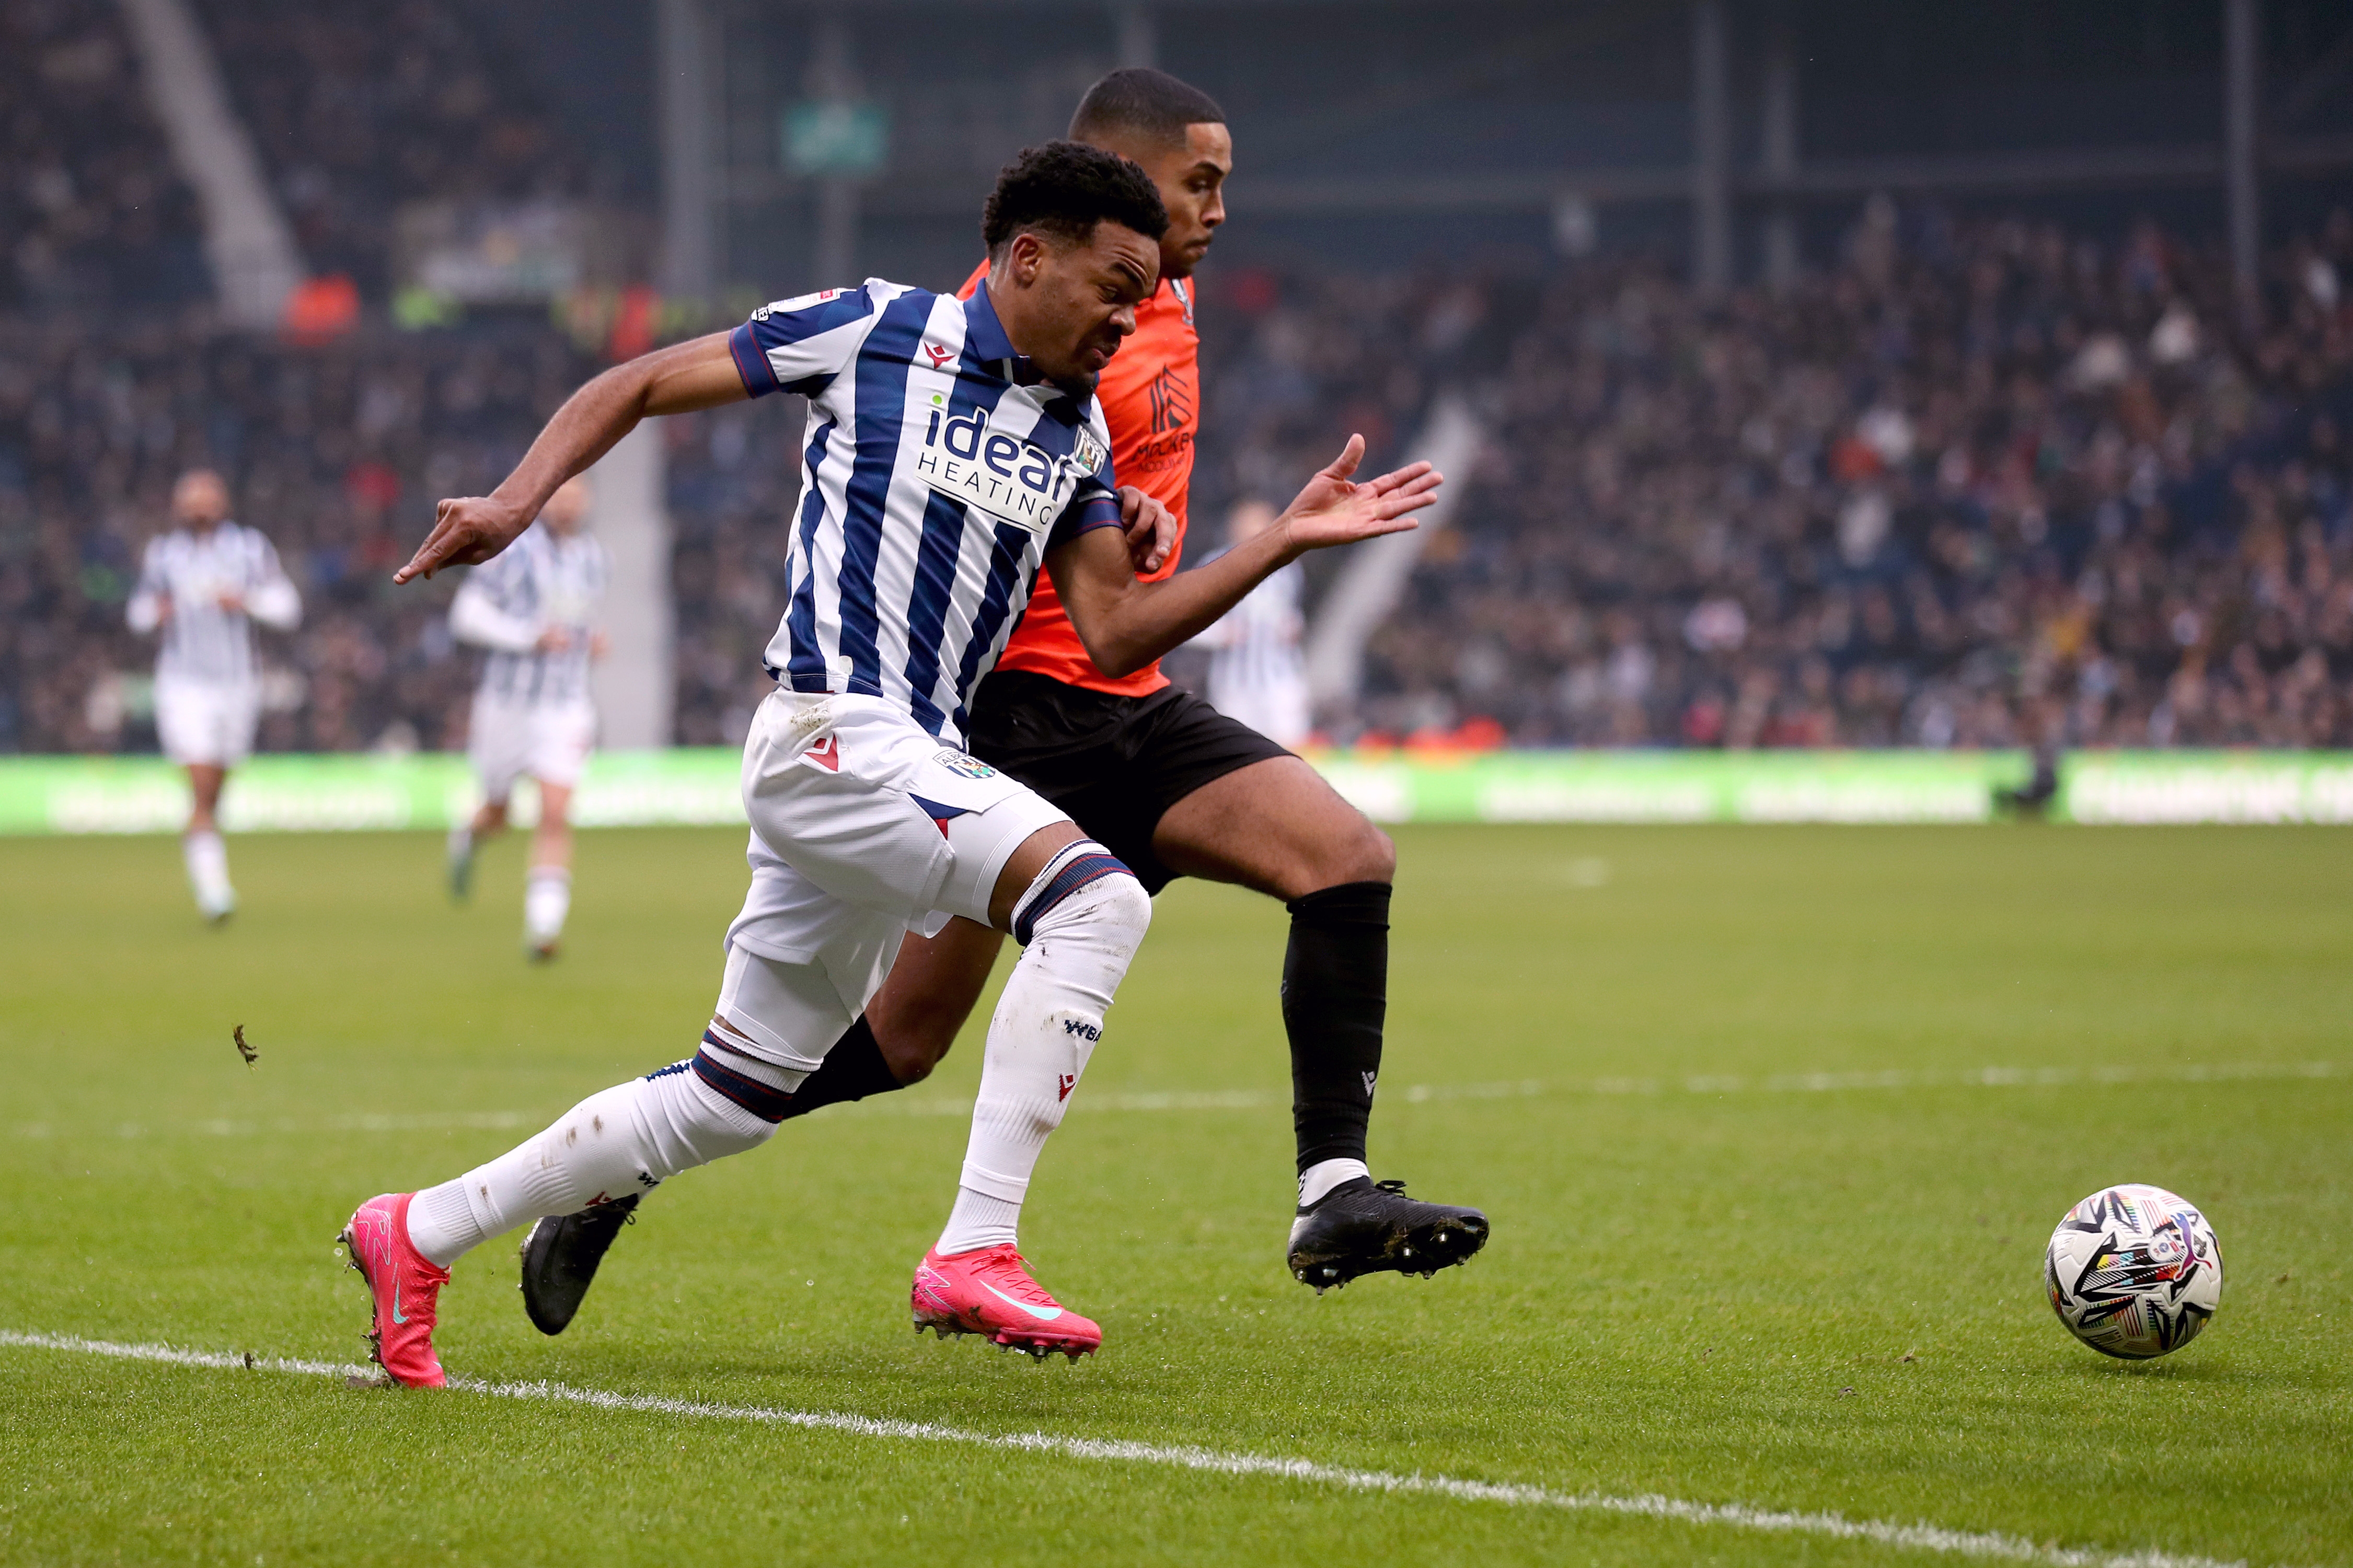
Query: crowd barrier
<point>697,785</point>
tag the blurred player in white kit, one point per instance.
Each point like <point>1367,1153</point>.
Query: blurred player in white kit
<point>203,585</point>
<point>1257,674</point>
<point>534,608</point>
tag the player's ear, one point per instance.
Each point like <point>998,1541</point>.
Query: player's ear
<point>1028,255</point>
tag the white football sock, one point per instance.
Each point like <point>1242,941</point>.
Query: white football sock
<point>207,862</point>
<point>461,841</point>
<point>1081,939</point>
<point>627,1139</point>
<point>546,900</point>
<point>1324,1175</point>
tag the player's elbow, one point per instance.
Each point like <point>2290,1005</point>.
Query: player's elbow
<point>1123,658</point>
<point>1118,663</point>
<point>1114,654</point>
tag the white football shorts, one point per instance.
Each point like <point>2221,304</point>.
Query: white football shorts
<point>206,722</point>
<point>865,828</point>
<point>547,740</point>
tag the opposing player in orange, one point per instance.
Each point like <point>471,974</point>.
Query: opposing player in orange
<point>1170,786</point>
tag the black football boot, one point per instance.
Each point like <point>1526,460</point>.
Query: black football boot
<point>560,1257</point>
<point>1359,1227</point>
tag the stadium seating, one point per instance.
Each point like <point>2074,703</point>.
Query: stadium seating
<point>357,109</point>
<point>95,216</point>
<point>1987,480</point>
<point>1983,483</point>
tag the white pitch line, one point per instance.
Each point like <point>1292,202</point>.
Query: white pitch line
<point>1708,1084</point>
<point>1993,1545</point>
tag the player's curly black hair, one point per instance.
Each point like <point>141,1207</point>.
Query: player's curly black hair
<point>1064,189</point>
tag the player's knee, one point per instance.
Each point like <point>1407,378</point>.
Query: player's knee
<point>1086,893</point>
<point>1116,911</point>
<point>913,1041</point>
<point>1359,852</point>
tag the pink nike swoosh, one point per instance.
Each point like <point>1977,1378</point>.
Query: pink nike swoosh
<point>1043,1314</point>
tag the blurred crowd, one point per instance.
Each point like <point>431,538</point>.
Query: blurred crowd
<point>1981,484</point>
<point>359,106</point>
<point>1984,484</point>
<point>92,211</point>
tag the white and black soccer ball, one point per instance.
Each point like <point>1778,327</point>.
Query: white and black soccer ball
<point>2133,1271</point>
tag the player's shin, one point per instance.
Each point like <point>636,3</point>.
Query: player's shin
<point>626,1139</point>
<point>207,862</point>
<point>1080,922</point>
<point>546,900</point>
<point>1334,1004</point>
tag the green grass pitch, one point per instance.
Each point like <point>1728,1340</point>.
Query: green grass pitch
<point>1765,1234</point>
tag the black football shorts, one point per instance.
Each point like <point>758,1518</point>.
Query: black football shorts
<point>1115,764</point>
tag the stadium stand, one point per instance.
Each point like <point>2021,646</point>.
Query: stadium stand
<point>92,212</point>
<point>731,479</point>
<point>358,107</point>
<point>1984,473</point>
<point>1982,477</point>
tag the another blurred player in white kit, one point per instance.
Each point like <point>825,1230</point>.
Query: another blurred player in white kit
<point>1257,674</point>
<point>204,584</point>
<point>534,607</point>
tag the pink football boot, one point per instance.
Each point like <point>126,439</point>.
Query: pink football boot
<point>405,1287</point>
<point>989,1291</point>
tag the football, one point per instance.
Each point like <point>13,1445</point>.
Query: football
<point>2133,1271</point>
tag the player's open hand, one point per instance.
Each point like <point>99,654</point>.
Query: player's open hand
<point>1150,528</point>
<point>1335,509</point>
<point>466,531</point>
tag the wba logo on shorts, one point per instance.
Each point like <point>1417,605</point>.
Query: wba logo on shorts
<point>971,767</point>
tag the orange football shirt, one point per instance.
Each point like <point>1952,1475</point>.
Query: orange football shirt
<point>1151,399</point>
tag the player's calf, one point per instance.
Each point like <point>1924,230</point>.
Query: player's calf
<point>1080,921</point>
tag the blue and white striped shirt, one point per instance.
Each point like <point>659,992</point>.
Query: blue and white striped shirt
<point>182,580</point>
<point>939,471</point>
<point>541,581</point>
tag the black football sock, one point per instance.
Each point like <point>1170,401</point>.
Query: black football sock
<point>853,1069</point>
<point>1335,985</point>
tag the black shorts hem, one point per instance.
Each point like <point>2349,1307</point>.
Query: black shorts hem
<point>1115,764</point>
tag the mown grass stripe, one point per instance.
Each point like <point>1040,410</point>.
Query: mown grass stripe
<point>1986,1544</point>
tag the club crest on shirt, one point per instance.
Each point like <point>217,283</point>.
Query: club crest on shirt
<point>1087,450</point>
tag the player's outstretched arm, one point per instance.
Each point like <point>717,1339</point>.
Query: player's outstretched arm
<point>468,529</point>
<point>1126,623</point>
